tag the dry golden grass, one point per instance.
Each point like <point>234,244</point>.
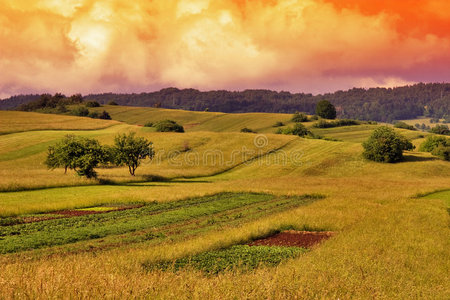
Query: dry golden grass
<point>389,244</point>
<point>17,121</point>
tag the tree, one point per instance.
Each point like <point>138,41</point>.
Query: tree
<point>326,110</point>
<point>385,145</point>
<point>76,153</point>
<point>129,150</point>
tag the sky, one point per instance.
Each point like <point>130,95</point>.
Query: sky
<point>314,46</point>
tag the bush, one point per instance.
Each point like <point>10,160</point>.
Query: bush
<point>299,117</point>
<point>93,115</point>
<point>148,124</point>
<point>326,110</point>
<point>385,145</point>
<point>442,152</point>
<point>337,123</point>
<point>80,111</point>
<point>433,142</point>
<point>403,125</point>
<point>278,124</point>
<point>247,130</point>
<point>105,116</point>
<point>92,104</point>
<point>440,129</point>
<point>168,126</point>
<point>112,102</point>
<point>300,130</point>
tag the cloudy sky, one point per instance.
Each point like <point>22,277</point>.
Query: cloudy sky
<point>91,46</point>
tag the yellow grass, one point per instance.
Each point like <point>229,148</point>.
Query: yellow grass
<point>16,121</point>
<point>389,243</point>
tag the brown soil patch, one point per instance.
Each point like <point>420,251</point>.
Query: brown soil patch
<point>188,126</point>
<point>292,238</point>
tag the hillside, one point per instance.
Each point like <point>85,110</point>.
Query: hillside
<point>378,104</point>
<point>213,188</point>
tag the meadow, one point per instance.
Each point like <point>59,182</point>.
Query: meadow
<point>208,191</point>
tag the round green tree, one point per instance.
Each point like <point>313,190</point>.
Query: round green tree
<point>326,110</point>
<point>385,145</point>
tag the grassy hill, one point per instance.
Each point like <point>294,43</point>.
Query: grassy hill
<point>211,188</point>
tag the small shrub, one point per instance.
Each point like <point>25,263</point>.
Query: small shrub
<point>385,145</point>
<point>299,117</point>
<point>92,104</point>
<point>314,118</point>
<point>105,115</point>
<point>80,111</point>
<point>112,102</point>
<point>300,130</point>
<point>93,115</point>
<point>148,124</point>
<point>168,126</point>
<point>247,130</point>
<point>337,123</point>
<point>403,125</point>
<point>278,124</point>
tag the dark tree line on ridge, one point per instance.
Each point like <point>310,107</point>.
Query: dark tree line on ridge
<point>378,104</point>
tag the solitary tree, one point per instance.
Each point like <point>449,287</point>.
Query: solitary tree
<point>385,145</point>
<point>129,150</point>
<point>326,110</point>
<point>76,153</point>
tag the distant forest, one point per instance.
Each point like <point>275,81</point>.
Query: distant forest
<point>378,104</point>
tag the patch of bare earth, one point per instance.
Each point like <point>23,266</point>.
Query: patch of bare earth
<point>293,238</point>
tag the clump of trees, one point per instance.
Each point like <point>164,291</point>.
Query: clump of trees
<point>403,125</point>
<point>437,145</point>
<point>83,155</point>
<point>385,145</point>
<point>168,126</point>
<point>326,110</point>
<point>337,123</point>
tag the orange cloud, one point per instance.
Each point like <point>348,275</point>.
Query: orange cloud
<point>311,45</point>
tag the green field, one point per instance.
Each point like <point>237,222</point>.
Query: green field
<point>206,193</point>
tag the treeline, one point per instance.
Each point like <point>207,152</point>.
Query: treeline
<point>378,104</point>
